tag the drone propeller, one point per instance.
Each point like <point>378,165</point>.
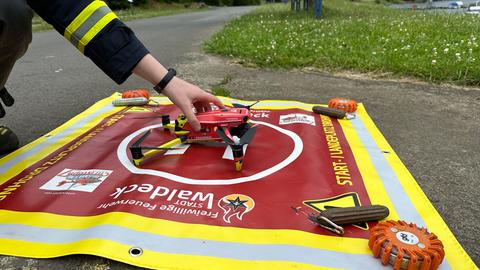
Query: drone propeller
<point>212,144</point>
<point>141,139</point>
<point>237,105</point>
<point>245,139</point>
<point>248,136</point>
<point>165,117</point>
<point>146,117</point>
<point>221,132</point>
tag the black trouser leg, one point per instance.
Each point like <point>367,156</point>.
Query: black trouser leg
<point>15,36</point>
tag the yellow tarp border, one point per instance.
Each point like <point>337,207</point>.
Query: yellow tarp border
<point>454,253</point>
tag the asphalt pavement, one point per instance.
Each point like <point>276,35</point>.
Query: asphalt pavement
<point>54,82</point>
<point>434,129</point>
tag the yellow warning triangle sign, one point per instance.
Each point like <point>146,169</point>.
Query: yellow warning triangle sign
<point>350,199</point>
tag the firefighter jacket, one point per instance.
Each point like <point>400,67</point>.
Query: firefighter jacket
<point>96,32</point>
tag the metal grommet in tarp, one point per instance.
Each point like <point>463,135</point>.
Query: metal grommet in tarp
<point>135,251</point>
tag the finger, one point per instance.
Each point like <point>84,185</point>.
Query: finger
<point>215,100</point>
<point>192,120</point>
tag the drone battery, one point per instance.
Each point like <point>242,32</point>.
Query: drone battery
<point>137,101</point>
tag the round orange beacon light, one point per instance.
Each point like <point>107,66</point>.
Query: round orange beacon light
<point>136,93</point>
<point>347,105</point>
<point>406,246</point>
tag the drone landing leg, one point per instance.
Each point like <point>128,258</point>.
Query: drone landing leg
<point>237,151</point>
<point>138,161</point>
<point>238,165</point>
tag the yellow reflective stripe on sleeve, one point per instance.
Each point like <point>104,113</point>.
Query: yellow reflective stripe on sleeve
<point>95,30</point>
<point>82,17</point>
<point>88,24</point>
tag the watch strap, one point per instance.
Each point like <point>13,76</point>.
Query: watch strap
<point>165,80</point>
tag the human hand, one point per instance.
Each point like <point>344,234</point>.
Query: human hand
<point>188,96</point>
<point>183,94</point>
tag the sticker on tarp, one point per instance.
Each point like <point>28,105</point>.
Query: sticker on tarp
<point>297,118</point>
<point>77,191</point>
<point>78,180</point>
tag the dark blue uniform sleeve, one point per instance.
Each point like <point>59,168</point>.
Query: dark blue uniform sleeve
<point>116,51</point>
<point>93,28</point>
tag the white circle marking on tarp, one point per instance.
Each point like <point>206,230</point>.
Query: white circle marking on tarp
<point>122,156</point>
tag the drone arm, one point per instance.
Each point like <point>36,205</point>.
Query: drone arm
<point>169,126</point>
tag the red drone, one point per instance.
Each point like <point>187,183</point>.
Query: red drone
<point>229,126</point>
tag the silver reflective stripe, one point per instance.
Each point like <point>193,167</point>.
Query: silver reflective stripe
<point>397,195</point>
<point>192,246</point>
<point>88,24</point>
<point>400,200</point>
<point>53,139</point>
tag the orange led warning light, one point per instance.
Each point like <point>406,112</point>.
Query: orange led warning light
<point>347,105</point>
<point>136,93</point>
<point>406,246</point>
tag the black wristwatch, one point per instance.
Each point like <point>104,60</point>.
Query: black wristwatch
<point>165,80</point>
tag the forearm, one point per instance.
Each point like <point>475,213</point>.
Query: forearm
<point>150,69</point>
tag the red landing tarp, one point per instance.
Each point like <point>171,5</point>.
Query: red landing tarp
<point>75,190</point>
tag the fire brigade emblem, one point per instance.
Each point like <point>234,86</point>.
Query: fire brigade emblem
<point>235,205</point>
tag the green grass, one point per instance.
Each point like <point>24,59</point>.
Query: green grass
<point>357,36</point>
<point>153,10</point>
<point>220,91</point>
